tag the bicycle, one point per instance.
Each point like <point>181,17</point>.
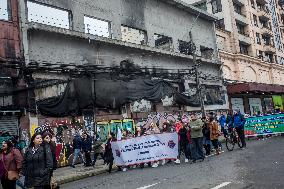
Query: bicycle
<point>232,139</point>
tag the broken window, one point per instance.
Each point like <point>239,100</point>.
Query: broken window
<point>206,52</point>
<point>4,11</point>
<point>185,47</point>
<point>163,42</point>
<point>48,15</point>
<point>132,35</point>
<point>220,24</point>
<point>97,27</point>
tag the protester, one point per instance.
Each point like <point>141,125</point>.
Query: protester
<point>153,130</point>
<point>214,134</point>
<point>183,143</point>
<point>11,163</point>
<point>98,150</point>
<point>197,138</point>
<point>47,136</point>
<point>239,124</point>
<point>87,148</point>
<point>206,135</point>
<point>37,164</point>
<point>77,147</point>
<point>166,127</point>
<point>222,122</point>
<point>108,152</point>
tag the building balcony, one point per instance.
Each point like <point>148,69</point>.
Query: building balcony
<point>241,18</point>
<point>245,38</point>
<point>269,48</point>
<point>266,31</point>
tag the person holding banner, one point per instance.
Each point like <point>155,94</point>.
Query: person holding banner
<point>183,143</point>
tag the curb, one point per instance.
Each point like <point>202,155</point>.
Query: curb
<point>82,176</point>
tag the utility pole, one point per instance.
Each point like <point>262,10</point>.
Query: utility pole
<point>198,85</point>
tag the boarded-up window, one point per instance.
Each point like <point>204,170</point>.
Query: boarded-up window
<point>163,42</point>
<point>48,15</point>
<point>4,12</point>
<point>185,47</point>
<point>206,52</point>
<point>97,27</point>
<point>132,35</point>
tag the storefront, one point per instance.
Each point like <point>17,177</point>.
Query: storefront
<point>254,98</point>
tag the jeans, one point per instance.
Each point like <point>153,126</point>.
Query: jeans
<point>197,149</point>
<point>183,147</point>
<point>241,134</point>
<point>77,152</point>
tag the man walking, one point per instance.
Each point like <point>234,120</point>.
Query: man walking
<point>77,147</point>
<point>239,124</point>
<point>197,138</point>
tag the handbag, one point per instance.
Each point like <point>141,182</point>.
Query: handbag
<point>11,175</point>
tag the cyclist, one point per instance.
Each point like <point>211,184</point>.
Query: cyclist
<point>238,124</point>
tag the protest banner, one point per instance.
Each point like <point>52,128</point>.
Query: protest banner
<point>145,149</point>
<point>264,125</point>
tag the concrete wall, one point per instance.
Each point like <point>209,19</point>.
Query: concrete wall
<point>152,16</point>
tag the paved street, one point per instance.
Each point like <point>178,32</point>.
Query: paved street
<point>259,166</point>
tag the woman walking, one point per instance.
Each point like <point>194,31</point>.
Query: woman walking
<point>214,134</point>
<point>108,152</point>
<point>47,136</point>
<point>87,148</point>
<point>11,159</point>
<point>37,164</point>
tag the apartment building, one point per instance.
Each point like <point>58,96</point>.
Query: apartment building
<point>250,42</point>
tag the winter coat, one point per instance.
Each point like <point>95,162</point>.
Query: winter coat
<point>98,147</point>
<point>188,135</point>
<point>77,142</point>
<point>239,121</point>
<point>206,132</point>
<point>230,121</point>
<point>108,152</point>
<point>178,125</point>
<point>222,120</point>
<point>52,147</point>
<point>37,166</point>
<point>182,135</point>
<point>196,128</point>
<point>214,130</point>
<point>13,160</point>
<point>87,144</point>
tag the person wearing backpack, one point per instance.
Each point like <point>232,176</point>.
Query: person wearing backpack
<point>37,164</point>
<point>11,160</point>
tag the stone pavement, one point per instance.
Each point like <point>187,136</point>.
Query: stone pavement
<point>68,174</point>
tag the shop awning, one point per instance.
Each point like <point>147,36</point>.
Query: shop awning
<point>254,88</point>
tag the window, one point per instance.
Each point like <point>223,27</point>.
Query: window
<point>163,42</point>
<point>97,27</point>
<point>47,15</point>
<point>255,20</point>
<point>132,35</point>
<point>263,23</point>
<point>220,24</point>
<point>4,11</point>
<point>238,8</point>
<point>257,36</point>
<point>266,40</point>
<point>216,6</point>
<point>260,55</point>
<point>241,29</point>
<point>268,57</point>
<point>252,4</point>
<point>244,48</point>
<point>185,47</point>
<point>206,52</point>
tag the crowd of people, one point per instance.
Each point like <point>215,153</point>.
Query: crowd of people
<point>197,139</point>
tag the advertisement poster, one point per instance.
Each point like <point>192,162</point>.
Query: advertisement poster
<point>278,103</point>
<point>264,125</point>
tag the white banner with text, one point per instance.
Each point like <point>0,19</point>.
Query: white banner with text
<point>145,149</point>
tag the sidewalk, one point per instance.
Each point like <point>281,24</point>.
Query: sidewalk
<point>69,174</point>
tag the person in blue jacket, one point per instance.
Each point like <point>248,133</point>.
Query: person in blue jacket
<point>222,122</point>
<point>239,124</point>
<point>77,147</point>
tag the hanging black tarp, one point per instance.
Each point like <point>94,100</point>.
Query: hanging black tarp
<point>113,94</point>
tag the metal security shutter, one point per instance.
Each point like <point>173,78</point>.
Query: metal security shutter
<point>9,124</point>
